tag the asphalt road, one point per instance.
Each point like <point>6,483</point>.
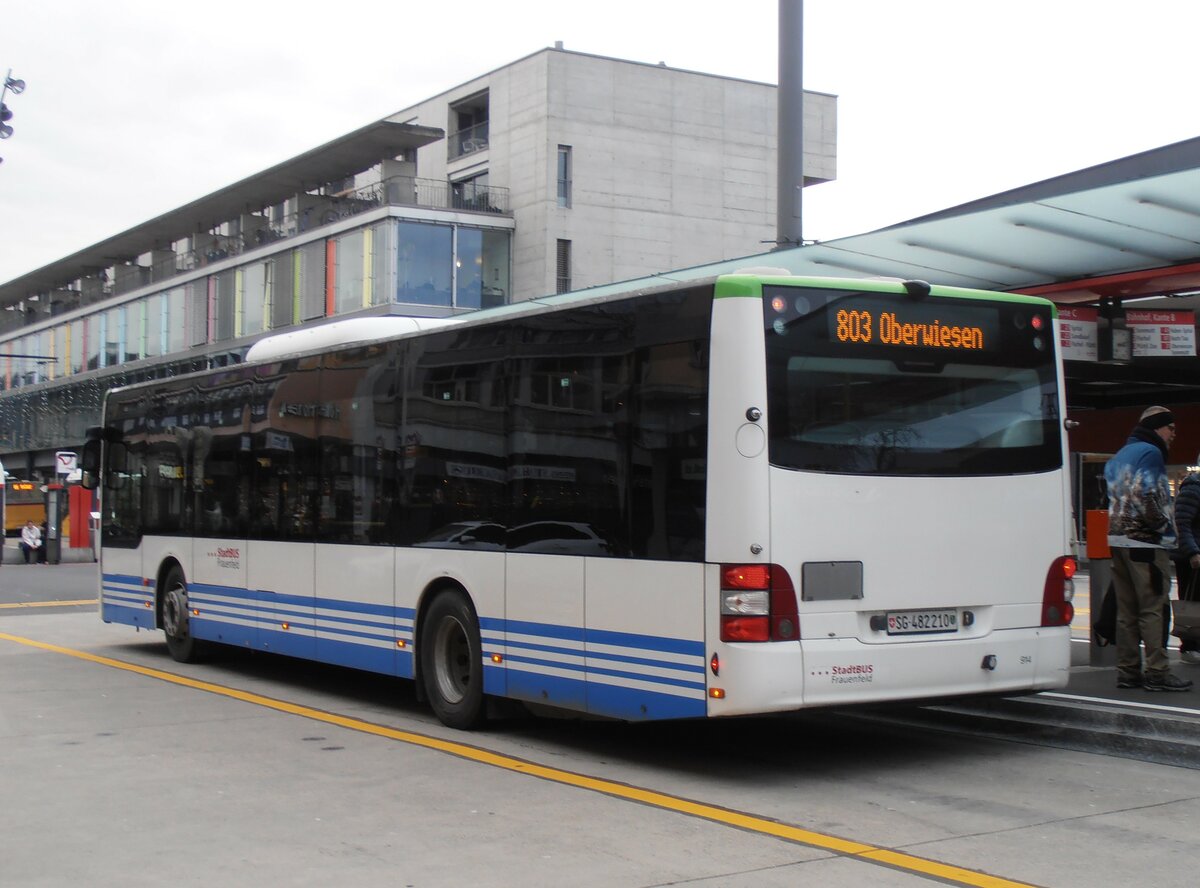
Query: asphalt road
<point>119,766</point>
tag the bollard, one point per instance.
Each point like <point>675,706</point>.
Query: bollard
<point>1099,579</point>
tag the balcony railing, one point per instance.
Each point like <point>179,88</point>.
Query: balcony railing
<point>396,191</point>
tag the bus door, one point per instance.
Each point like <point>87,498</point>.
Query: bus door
<point>355,621</point>
<point>284,493</point>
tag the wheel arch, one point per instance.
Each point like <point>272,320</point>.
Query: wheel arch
<point>431,591</point>
<point>164,569</point>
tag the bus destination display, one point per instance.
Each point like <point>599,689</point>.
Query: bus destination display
<point>942,327</point>
<point>874,321</point>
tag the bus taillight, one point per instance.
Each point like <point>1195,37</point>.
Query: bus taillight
<point>1057,609</point>
<point>758,603</point>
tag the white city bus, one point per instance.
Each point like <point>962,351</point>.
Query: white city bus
<point>742,495</point>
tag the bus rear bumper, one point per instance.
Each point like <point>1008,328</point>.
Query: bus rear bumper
<point>837,672</point>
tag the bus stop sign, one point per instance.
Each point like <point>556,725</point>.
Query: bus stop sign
<point>64,462</point>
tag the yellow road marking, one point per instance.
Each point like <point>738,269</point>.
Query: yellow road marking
<point>874,854</point>
<point>49,603</point>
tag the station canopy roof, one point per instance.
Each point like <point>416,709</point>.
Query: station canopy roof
<point>1122,231</point>
<point>1129,229</point>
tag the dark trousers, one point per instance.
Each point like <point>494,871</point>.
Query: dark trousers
<point>1189,590</point>
<point>31,554</point>
<point>1142,580</point>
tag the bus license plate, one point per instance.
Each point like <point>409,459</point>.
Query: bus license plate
<point>922,622</point>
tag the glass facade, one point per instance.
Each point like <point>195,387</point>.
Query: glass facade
<point>423,266</point>
<point>391,261</point>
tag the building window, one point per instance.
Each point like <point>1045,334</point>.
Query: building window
<point>468,126</point>
<point>310,280</point>
<point>283,278</point>
<point>564,175</point>
<point>113,330</point>
<point>424,255</point>
<point>196,323</point>
<point>61,338</point>
<point>92,344</point>
<point>563,283</point>
<point>256,297</point>
<point>350,268</point>
<point>175,321</point>
<point>482,268</point>
<point>78,358</point>
<point>224,305</point>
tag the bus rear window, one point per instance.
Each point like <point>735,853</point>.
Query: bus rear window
<point>869,383</point>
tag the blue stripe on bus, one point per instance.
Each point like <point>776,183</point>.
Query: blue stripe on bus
<point>645,642</point>
<point>637,705</point>
<point>649,679</point>
<point>523,676</point>
<point>279,641</point>
<point>569,693</point>
<point>696,667</point>
<point>125,598</point>
<point>642,661</point>
<point>544,648</point>
<point>544,630</point>
<point>390,637</point>
<point>358,607</point>
<point>142,617</point>
<point>226,633</point>
<point>552,664</point>
<point>587,669</point>
<point>124,578</point>
<point>495,680</point>
<point>334,624</point>
<point>357,656</point>
<point>598,636</point>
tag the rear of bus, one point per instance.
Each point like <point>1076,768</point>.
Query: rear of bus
<point>888,512</point>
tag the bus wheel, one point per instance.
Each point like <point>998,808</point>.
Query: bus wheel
<point>452,662</point>
<point>180,643</point>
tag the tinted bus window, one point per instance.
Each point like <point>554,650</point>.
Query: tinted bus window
<point>868,383</point>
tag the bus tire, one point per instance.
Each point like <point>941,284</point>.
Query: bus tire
<point>452,661</point>
<point>180,642</point>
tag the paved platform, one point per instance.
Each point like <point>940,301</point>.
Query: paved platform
<point>1091,713</point>
<point>1099,684</point>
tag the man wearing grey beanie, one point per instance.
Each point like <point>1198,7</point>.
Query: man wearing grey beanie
<point>1141,534</point>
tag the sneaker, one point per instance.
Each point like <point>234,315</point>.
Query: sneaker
<point>1190,657</point>
<point>1130,682</point>
<point>1167,682</point>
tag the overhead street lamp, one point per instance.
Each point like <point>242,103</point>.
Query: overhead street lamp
<point>17,87</point>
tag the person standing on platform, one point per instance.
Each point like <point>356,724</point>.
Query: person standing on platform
<point>1141,533</point>
<point>1187,556</point>
<point>45,545</point>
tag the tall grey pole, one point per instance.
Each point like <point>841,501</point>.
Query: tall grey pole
<point>790,113</point>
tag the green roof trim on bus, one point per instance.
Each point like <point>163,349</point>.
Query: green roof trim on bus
<point>735,286</point>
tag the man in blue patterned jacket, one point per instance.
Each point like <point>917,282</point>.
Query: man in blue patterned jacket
<point>1141,533</point>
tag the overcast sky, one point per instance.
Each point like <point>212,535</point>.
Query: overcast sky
<point>134,108</point>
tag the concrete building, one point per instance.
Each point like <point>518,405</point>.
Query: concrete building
<point>616,170</point>
<point>557,172</point>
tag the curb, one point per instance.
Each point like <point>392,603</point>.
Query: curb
<point>1087,725</point>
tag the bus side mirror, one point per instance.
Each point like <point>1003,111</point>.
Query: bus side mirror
<point>89,464</point>
<point>118,465</point>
